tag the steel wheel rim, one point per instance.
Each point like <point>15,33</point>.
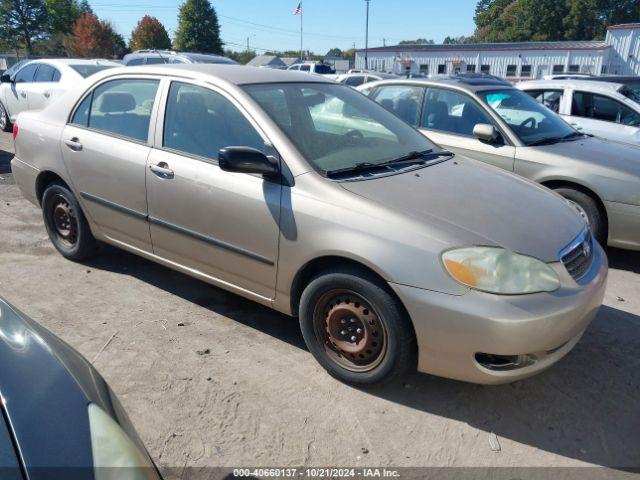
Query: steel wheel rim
<point>64,221</point>
<point>581,211</point>
<point>350,331</point>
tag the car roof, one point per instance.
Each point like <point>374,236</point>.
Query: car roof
<point>75,61</point>
<point>460,83</point>
<point>235,74</point>
<point>573,83</point>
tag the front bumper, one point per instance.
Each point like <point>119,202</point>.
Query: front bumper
<point>451,329</point>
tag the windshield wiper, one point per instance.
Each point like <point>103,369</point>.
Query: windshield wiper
<point>552,140</point>
<point>411,157</point>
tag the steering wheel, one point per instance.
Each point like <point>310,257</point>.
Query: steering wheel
<point>530,120</point>
<point>354,134</point>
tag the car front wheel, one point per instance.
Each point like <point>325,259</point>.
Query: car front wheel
<point>356,329</point>
<point>66,224</point>
<point>587,207</point>
<point>5,123</point>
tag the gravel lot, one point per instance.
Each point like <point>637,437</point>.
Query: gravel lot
<point>211,379</point>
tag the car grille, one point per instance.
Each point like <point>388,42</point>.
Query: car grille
<point>578,255</point>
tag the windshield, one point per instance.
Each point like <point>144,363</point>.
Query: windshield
<point>334,127</point>
<point>87,70</point>
<point>529,120</point>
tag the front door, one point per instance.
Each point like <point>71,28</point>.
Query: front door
<point>604,117</point>
<point>17,97</point>
<point>449,117</point>
<point>105,148</point>
<point>219,224</point>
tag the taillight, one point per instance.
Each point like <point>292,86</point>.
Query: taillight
<point>15,131</point>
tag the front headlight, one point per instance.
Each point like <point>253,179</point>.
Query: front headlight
<point>115,456</point>
<point>496,270</point>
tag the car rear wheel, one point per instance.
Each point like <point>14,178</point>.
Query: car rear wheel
<point>356,329</point>
<point>588,208</point>
<point>66,224</point>
<point>5,123</point>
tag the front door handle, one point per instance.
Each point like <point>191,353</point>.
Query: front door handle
<point>162,170</point>
<point>47,94</point>
<point>73,144</point>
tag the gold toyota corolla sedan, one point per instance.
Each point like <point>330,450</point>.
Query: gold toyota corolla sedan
<point>308,197</point>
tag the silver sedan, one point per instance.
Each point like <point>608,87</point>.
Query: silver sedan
<point>502,126</point>
<point>308,197</point>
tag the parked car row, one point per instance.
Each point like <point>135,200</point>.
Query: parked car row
<point>393,252</point>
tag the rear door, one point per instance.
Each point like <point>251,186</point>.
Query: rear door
<point>45,85</point>
<point>105,147</point>
<point>220,224</point>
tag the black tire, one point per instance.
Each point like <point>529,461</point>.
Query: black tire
<point>595,217</point>
<point>377,312</point>
<point>76,242</point>
<point>5,122</point>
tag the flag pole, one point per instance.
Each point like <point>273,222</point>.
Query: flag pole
<point>301,50</point>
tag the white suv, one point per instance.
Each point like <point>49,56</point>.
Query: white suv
<point>604,109</point>
<point>313,67</point>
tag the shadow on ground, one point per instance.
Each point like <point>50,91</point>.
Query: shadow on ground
<point>624,259</point>
<point>586,407</point>
<point>5,161</point>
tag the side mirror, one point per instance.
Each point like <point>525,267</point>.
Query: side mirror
<point>246,160</point>
<point>486,133</point>
<point>5,78</point>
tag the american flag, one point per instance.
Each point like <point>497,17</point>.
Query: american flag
<point>298,10</point>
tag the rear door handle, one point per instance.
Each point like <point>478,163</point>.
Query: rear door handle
<point>162,170</point>
<point>23,94</point>
<point>73,144</point>
<point>47,94</point>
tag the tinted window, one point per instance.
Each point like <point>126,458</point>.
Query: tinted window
<point>485,68</point>
<point>200,122</point>
<point>305,68</point>
<point>529,120</point>
<point>558,69</point>
<point>453,112</point>
<point>56,75</point>
<point>27,73</point>
<point>549,98</point>
<point>511,70</point>
<point>123,107</point>
<point>336,127</point>
<point>355,81</point>
<point>156,60</point>
<point>442,69</point>
<point>324,69</point>
<point>87,70</point>
<point>525,71</point>
<point>574,68</point>
<point>603,108</point>
<point>81,115</point>
<point>45,73</point>
<point>471,68</point>
<point>403,100</point>
<point>135,61</point>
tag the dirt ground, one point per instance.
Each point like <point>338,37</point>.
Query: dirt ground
<point>211,379</point>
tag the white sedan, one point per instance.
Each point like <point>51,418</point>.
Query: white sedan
<point>604,109</point>
<point>36,83</point>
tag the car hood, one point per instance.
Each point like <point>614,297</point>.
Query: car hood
<point>477,204</point>
<point>604,153</point>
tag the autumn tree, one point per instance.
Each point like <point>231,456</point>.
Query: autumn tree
<point>149,34</point>
<point>92,38</point>
<point>25,20</point>
<point>198,28</point>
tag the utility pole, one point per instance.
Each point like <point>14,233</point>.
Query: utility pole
<point>384,42</point>
<point>366,41</point>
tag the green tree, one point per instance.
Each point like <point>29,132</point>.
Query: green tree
<point>419,41</point>
<point>198,28</point>
<point>334,52</point>
<point>582,22</point>
<point>240,57</point>
<point>456,40</point>
<point>25,20</point>
<point>62,15</point>
<point>120,48</point>
<point>149,33</point>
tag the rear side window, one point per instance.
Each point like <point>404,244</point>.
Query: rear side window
<point>403,100</point>
<point>27,73</point>
<point>305,68</point>
<point>156,60</point>
<point>46,73</point>
<point>355,81</point>
<point>200,122</point>
<point>135,61</point>
<point>549,98</point>
<point>120,107</point>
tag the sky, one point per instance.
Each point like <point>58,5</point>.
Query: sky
<point>271,25</point>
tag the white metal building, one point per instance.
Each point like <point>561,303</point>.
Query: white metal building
<point>618,54</point>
